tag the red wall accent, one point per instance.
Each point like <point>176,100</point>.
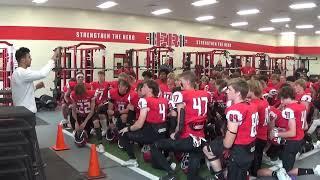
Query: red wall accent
<point>78,34</point>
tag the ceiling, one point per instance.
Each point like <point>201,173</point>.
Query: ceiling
<point>225,11</point>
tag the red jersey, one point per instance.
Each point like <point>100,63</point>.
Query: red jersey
<point>219,98</point>
<point>196,106</point>
<point>100,90</point>
<point>83,102</point>
<point>275,114</point>
<point>113,84</point>
<point>165,91</point>
<point>134,100</point>
<point>128,71</point>
<point>298,113</point>
<point>202,86</point>
<point>264,117</point>
<point>247,118</point>
<point>303,97</point>
<point>316,86</point>
<point>248,70</point>
<point>120,102</point>
<point>158,109</point>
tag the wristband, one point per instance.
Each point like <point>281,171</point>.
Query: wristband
<point>129,129</point>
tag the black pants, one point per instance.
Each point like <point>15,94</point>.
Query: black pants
<point>147,135</point>
<point>258,154</point>
<point>240,161</point>
<point>289,152</point>
<point>180,145</point>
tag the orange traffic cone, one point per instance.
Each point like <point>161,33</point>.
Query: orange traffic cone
<point>94,171</point>
<point>60,145</point>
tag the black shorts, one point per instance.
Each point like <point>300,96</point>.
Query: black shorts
<point>289,152</point>
<point>149,133</point>
<point>241,157</point>
<point>217,146</point>
<point>102,109</point>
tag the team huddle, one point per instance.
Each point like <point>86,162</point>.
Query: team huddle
<point>227,123</point>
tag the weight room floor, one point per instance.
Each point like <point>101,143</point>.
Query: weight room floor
<point>78,158</point>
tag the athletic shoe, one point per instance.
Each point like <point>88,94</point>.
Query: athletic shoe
<point>173,166</point>
<point>131,163</point>
<point>100,148</point>
<point>276,162</point>
<point>316,145</point>
<point>316,170</point>
<point>298,155</point>
<point>64,123</point>
<point>119,144</point>
<point>103,133</point>
<point>282,174</point>
<point>168,177</point>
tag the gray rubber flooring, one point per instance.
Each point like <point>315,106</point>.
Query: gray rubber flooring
<point>78,158</point>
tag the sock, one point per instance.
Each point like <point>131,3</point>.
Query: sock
<point>103,123</point>
<point>302,171</point>
<point>99,135</point>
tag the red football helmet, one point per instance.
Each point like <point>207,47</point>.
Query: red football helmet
<point>184,164</point>
<point>146,153</point>
<point>80,138</point>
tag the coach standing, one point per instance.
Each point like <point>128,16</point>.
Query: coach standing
<point>23,77</point>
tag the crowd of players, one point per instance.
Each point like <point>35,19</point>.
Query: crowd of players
<point>227,122</point>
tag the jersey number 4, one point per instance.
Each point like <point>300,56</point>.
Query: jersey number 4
<point>198,103</point>
<point>162,111</point>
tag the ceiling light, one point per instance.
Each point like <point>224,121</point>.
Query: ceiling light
<point>288,33</point>
<point>235,24</point>
<point>248,12</point>
<point>266,29</point>
<point>277,20</point>
<point>204,18</point>
<point>204,2</point>
<point>317,32</point>
<point>318,17</point>
<point>107,5</point>
<point>161,11</point>
<point>39,1</point>
<point>305,26</point>
<point>302,5</point>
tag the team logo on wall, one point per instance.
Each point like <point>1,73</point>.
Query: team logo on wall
<point>166,39</point>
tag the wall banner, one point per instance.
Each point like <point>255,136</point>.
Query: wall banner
<point>152,38</point>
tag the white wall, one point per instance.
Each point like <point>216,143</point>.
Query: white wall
<point>51,17</point>
<point>311,41</point>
